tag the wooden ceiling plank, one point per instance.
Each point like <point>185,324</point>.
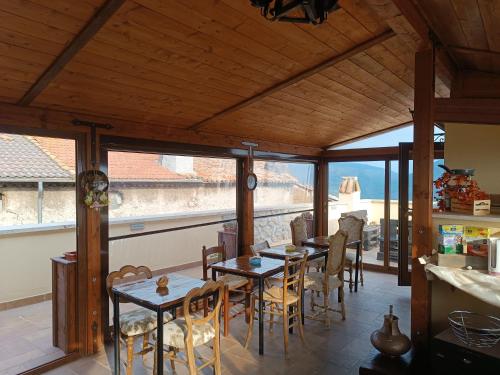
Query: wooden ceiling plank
<point>217,32</point>
<point>490,14</point>
<point>138,82</point>
<point>145,26</point>
<point>38,46</point>
<point>364,15</point>
<point>107,91</point>
<point>88,31</point>
<point>202,73</point>
<point>42,14</point>
<point>297,78</point>
<point>78,9</point>
<point>469,16</point>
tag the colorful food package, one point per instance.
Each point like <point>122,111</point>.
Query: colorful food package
<point>477,241</point>
<point>450,239</point>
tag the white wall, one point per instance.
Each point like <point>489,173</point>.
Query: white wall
<point>475,146</point>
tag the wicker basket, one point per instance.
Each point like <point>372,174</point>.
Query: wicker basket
<point>474,329</point>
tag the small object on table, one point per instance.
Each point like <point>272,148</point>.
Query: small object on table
<point>290,248</point>
<point>256,261</point>
<point>162,282</point>
<point>388,340</point>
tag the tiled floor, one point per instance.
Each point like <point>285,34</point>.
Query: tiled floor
<point>26,338</point>
<point>338,350</point>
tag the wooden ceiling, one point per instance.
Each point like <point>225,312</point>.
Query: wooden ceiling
<point>470,33</point>
<point>182,64</point>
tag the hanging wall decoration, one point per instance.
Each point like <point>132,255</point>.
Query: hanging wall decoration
<point>94,183</point>
<point>251,178</point>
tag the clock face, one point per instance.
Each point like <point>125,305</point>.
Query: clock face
<point>251,181</point>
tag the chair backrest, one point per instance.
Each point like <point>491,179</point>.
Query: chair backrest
<point>255,248</point>
<point>298,227</point>
<point>124,272</point>
<point>293,276</point>
<point>336,254</point>
<point>361,214</point>
<point>210,256</point>
<point>215,288</point>
<point>353,226</point>
<point>309,218</point>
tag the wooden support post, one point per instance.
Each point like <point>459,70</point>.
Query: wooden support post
<point>423,156</point>
<point>321,198</point>
<point>244,208</point>
<point>387,213</point>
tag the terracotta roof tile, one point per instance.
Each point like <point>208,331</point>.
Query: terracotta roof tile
<point>21,158</point>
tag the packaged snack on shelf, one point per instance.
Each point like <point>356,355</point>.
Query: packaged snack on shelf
<point>476,241</point>
<point>450,244</point>
<point>477,232</point>
<point>451,229</point>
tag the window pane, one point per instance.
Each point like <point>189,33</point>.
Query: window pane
<point>357,188</point>
<point>282,188</point>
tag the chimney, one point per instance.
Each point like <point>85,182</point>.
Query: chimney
<point>350,192</point>
<point>178,164</point>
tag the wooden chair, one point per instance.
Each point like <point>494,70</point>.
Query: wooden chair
<point>331,279</point>
<point>283,301</point>
<point>298,226</point>
<point>353,226</point>
<point>232,284</point>
<point>191,331</point>
<point>136,323</point>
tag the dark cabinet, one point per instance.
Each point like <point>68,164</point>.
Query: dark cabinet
<point>450,356</point>
<point>64,317</point>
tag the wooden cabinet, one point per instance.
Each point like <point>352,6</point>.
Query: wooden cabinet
<point>64,319</point>
<point>450,356</point>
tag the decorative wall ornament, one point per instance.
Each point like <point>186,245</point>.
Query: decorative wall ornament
<point>95,187</point>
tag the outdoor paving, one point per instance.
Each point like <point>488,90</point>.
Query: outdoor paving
<point>338,350</point>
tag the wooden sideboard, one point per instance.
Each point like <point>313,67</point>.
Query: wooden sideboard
<point>64,326</point>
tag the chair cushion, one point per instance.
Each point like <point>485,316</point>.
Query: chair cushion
<point>234,281</point>
<point>140,321</point>
<point>275,294</point>
<point>175,331</point>
<point>314,281</point>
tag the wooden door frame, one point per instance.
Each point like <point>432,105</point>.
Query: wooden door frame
<point>81,241</point>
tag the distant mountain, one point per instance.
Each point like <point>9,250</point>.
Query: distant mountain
<point>371,178</point>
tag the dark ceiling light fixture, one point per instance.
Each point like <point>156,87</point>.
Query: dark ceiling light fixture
<point>314,11</point>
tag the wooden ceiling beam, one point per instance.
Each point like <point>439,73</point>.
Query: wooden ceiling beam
<point>81,39</point>
<point>49,120</point>
<point>297,78</point>
<point>410,11</point>
<point>467,110</point>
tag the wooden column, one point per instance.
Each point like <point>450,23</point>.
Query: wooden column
<point>244,209</point>
<point>321,198</point>
<point>387,213</point>
<point>423,156</point>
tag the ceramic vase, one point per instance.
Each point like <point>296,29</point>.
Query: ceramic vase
<point>389,340</point>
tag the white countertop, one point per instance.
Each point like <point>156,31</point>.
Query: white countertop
<point>465,217</point>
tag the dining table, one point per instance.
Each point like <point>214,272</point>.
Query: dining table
<point>241,266</point>
<point>322,242</point>
<point>145,293</point>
